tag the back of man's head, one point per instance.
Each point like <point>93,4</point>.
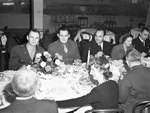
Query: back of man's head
<point>25,82</point>
<point>133,56</point>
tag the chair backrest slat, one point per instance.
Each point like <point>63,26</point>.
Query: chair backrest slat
<point>139,104</point>
<point>105,111</point>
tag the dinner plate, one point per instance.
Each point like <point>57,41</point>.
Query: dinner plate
<point>58,90</point>
<point>84,87</point>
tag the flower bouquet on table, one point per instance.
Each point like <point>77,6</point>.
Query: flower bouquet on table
<point>117,68</point>
<point>46,63</point>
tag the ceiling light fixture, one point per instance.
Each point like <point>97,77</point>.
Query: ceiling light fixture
<point>8,2</point>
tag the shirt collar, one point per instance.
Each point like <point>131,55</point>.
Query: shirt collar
<point>141,39</point>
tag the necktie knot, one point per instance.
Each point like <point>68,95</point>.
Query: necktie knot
<point>65,49</point>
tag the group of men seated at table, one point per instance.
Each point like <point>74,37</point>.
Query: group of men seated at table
<point>69,50</point>
<point>107,94</point>
<point>133,87</point>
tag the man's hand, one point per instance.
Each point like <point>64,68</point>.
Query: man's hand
<point>143,54</point>
<point>99,54</point>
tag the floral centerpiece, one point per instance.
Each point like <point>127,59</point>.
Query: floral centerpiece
<point>117,67</point>
<point>46,63</point>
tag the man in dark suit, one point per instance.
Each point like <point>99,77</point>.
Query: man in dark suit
<point>24,84</point>
<point>98,45</point>
<point>140,43</point>
<point>134,86</point>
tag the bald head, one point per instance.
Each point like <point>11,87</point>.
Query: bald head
<point>25,82</point>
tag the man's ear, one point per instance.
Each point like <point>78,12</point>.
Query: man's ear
<point>140,33</point>
<point>69,35</point>
<point>58,35</point>
<point>27,37</point>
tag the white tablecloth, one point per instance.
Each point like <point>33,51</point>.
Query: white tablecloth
<point>59,88</point>
<point>62,89</point>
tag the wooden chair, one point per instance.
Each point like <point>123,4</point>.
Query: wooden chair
<point>139,104</point>
<point>82,35</point>
<point>105,111</point>
<point>84,45</point>
<point>145,108</point>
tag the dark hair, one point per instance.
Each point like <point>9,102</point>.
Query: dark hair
<point>107,74</point>
<point>101,29</point>
<point>145,28</point>
<point>63,28</point>
<point>141,25</point>
<point>125,36</point>
<point>33,30</point>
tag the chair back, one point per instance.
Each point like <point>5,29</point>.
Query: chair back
<point>145,108</point>
<point>85,44</point>
<point>105,111</point>
<point>4,60</point>
<point>139,104</point>
<point>86,36</point>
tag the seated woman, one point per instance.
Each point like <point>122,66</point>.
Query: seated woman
<point>119,51</point>
<point>104,96</point>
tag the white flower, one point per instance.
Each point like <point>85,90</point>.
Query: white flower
<point>107,65</point>
<point>46,54</point>
<point>43,64</point>
<point>28,67</point>
<point>38,55</point>
<point>115,70</point>
<point>58,56</point>
<point>57,62</point>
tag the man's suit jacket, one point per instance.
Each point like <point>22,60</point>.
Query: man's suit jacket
<point>138,45</point>
<point>105,96</point>
<point>70,56</point>
<point>19,56</point>
<point>134,87</point>
<point>31,106</point>
<point>96,48</point>
<point>118,52</point>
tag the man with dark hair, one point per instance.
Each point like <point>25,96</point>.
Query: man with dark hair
<point>99,45</point>
<point>68,49</point>
<point>24,54</point>
<point>140,43</point>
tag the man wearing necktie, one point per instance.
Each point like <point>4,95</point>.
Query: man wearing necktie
<point>68,49</point>
<point>98,45</point>
<point>141,43</point>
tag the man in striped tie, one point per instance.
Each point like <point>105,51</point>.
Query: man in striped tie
<point>65,47</point>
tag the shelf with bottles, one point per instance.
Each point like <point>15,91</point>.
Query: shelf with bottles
<point>64,19</point>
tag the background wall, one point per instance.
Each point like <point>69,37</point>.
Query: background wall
<point>23,21</point>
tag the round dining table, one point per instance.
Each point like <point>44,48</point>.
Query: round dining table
<point>67,85</point>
